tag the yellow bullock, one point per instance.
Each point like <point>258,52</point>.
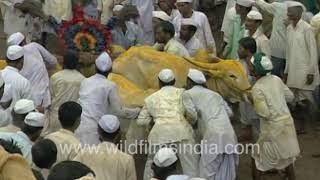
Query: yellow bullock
<point>135,72</point>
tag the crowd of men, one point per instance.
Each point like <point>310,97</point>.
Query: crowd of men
<point>48,125</point>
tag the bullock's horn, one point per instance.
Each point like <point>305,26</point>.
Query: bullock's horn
<point>201,64</point>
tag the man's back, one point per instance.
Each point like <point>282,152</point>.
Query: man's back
<point>67,144</point>
<point>21,86</point>
<point>94,96</point>
<point>64,87</point>
<point>34,69</point>
<point>276,94</point>
<point>108,162</point>
<point>166,110</point>
<point>209,108</point>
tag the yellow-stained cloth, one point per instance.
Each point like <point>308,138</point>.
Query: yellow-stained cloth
<point>14,167</point>
<point>278,144</point>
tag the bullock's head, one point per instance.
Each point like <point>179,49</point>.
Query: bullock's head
<point>228,77</point>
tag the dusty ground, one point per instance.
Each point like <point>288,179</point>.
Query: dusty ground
<point>307,167</point>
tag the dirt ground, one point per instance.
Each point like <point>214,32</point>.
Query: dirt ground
<point>307,167</point>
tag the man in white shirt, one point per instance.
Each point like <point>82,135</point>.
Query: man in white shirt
<point>108,162</point>
<point>237,29</point>
<point>204,33</point>
<point>64,86</point>
<point>69,117</point>
<point>30,132</point>
<point>127,32</point>
<point>145,8</point>
<point>36,61</point>
<point>166,7</point>
<point>5,103</point>
<point>254,30</point>
<point>165,35</point>
<point>21,87</point>
<point>187,36</point>
<point>210,113</point>
<point>278,143</point>
<point>278,36</point>
<point>301,73</point>
<point>164,113</point>
<point>99,96</point>
<point>248,116</point>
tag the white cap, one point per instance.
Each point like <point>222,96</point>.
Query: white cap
<point>104,62</point>
<point>255,15</point>
<point>178,177</point>
<point>7,94</point>
<point>161,15</point>
<point>117,8</point>
<point>184,1</point>
<point>197,76</point>
<point>188,21</point>
<point>166,75</point>
<point>15,52</point>
<point>1,80</point>
<point>245,3</point>
<point>295,4</point>
<point>15,39</point>
<point>165,157</point>
<point>266,63</point>
<point>109,123</point>
<point>23,106</point>
<point>35,119</point>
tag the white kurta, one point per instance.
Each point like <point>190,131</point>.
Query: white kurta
<point>165,110</point>
<point>105,6</point>
<point>20,85</point>
<point>36,57</point>
<point>145,8</point>
<point>64,87</point>
<point>204,33</point>
<point>176,48</point>
<point>60,9</point>
<point>315,24</point>
<point>212,114</point>
<point>193,45</point>
<point>262,42</point>
<point>14,20</point>
<point>67,145</point>
<point>278,142</point>
<point>227,24</point>
<point>302,56</point>
<point>278,36</point>
<point>109,163</point>
<point>99,96</point>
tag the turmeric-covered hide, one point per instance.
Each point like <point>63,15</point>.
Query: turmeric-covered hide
<point>136,74</point>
